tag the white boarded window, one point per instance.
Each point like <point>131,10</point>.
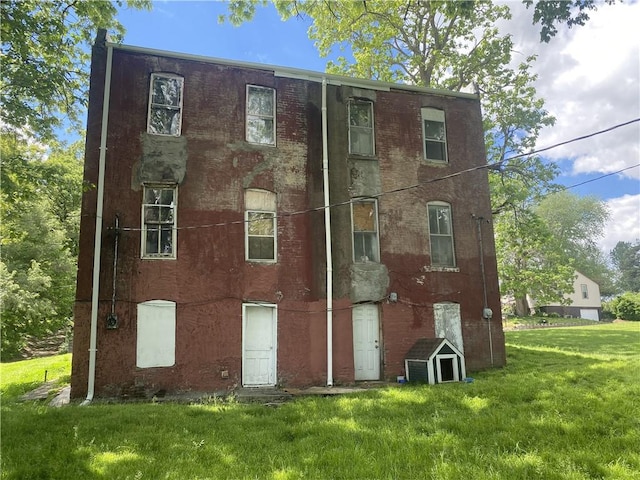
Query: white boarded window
<point>448,323</point>
<point>165,105</point>
<point>364,216</point>
<point>434,134</point>
<point>260,226</point>
<point>261,115</point>
<point>361,141</point>
<point>441,235</point>
<point>159,207</point>
<point>156,334</point>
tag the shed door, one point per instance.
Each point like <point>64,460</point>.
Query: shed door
<point>448,323</point>
<point>366,342</point>
<point>259,346</point>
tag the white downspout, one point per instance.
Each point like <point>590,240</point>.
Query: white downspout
<point>95,289</point>
<point>327,234</point>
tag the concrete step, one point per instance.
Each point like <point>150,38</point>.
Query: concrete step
<point>262,395</point>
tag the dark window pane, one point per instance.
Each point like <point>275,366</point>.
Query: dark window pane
<point>434,130</point>
<point>166,91</point>
<point>360,114</point>
<point>436,151</point>
<point>261,248</point>
<point>442,251</point>
<point>365,248</point>
<point>164,121</point>
<point>152,246</point>
<point>260,101</point>
<point>260,130</point>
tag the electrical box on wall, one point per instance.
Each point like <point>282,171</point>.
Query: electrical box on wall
<point>112,321</point>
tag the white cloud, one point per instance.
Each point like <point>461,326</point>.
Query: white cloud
<point>589,77</point>
<point>624,223</point>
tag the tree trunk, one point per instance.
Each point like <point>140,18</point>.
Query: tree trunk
<point>522,307</point>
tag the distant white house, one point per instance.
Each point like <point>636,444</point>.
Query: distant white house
<point>585,300</point>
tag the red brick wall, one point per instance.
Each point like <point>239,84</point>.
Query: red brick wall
<point>209,280</point>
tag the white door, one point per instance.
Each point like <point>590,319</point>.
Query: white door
<point>448,323</point>
<point>589,314</point>
<point>259,345</point>
<point>366,342</point>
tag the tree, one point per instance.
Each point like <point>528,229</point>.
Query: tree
<point>40,208</point>
<point>626,259</point>
<point>45,59</point>
<point>454,46</point>
<point>548,13</point>
<point>576,224</point>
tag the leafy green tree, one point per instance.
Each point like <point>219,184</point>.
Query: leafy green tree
<point>576,224</point>
<point>40,207</point>
<point>626,259</point>
<point>549,13</point>
<point>625,306</point>
<point>45,58</point>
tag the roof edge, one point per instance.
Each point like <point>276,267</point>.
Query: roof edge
<point>295,73</point>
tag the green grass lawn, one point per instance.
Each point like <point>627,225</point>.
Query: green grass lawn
<point>565,407</point>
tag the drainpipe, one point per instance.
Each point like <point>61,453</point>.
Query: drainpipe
<point>95,288</point>
<point>327,234</point>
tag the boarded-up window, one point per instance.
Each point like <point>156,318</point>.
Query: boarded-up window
<point>361,141</point>
<point>260,216</point>
<point>159,221</point>
<point>435,135</point>
<point>261,113</point>
<point>365,231</point>
<point>441,235</point>
<point>165,105</point>
<point>448,323</point>
<point>156,334</point>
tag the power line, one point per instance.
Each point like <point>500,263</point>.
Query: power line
<point>601,177</point>
<point>497,166</point>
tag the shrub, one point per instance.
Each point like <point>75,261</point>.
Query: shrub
<point>626,306</point>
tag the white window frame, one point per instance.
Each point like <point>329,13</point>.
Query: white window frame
<point>153,106</point>
<point>451,235</point>
<point>434,115</point>
<point>376,232</point>
<point>360,127</point>
<point>249,116</point>
<point>174,230</point>
<point>584,290</point>
<point>247,236</point>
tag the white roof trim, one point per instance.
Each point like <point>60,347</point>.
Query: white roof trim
<point>295,73</point>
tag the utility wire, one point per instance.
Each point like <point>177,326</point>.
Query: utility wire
<point>497,166</point>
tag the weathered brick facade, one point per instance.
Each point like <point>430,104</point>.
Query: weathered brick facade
<point>209,279</point>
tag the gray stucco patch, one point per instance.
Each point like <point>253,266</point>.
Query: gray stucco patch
<point>369,282</point>
<point>365,178</point>
<point>164,159</point>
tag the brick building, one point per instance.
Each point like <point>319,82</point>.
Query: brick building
<point>217,185</point>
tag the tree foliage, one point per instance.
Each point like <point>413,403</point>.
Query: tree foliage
<point>550,13</point>
<point>40,211</point>
<point>45,59</point>
<point>577,223</point>
<point>625,306</point>
<point>626,259</point>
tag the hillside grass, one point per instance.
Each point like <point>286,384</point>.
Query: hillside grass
<point>565,407</point>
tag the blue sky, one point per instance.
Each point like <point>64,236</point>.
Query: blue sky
<point>587,88</point>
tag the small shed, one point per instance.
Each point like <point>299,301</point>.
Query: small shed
<point>434,360</point>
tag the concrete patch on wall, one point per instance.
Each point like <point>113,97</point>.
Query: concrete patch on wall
<point>164,160</point>
<point>364,178</point>
<point>369,282</point>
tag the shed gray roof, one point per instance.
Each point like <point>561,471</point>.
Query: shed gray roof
<point>424,348</point>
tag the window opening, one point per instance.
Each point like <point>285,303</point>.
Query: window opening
<point>165,105</point>
<point>435,136</point>
<point>365,231</point>
<point>261,115</point>
<point>585,292</point>
<point>441,235</point>
<point>361,141</point>
<point>261,226</point>
<point>158,222</point>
